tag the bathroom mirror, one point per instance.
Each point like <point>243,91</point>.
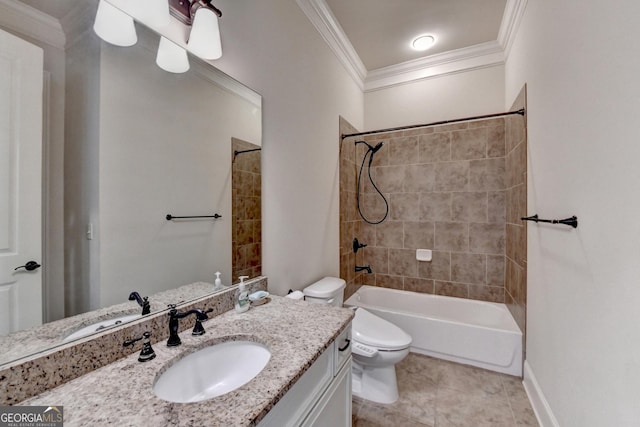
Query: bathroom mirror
<point>139,143</point>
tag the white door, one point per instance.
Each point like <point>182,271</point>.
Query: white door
<point>20,183</point>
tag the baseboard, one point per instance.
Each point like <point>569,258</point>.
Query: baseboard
<point>538,402</point>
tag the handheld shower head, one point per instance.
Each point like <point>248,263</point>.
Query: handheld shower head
<point>371,148</point>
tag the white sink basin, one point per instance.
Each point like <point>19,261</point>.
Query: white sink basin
<point>212,371</point>
<point>99,326</point>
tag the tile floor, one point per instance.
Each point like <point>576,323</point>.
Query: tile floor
<point>437,393</point>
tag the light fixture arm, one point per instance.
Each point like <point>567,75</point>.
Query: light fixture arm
<point>197,4</point>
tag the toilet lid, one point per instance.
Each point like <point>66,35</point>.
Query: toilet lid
<point>372,330</point>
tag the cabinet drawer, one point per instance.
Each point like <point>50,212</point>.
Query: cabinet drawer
<point>342,349</point>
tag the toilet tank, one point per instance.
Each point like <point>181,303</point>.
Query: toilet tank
<point>329,290</point>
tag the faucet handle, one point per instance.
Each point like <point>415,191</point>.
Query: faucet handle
<point>198,329</point>
<point>147,352</point>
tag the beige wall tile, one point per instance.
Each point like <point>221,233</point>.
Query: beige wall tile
<point>495,270</point>
<point>419,235</point>
<point>419,178</point>
<point>402,262</point>
<point>435,147</point>
<point>403,151</point>
<point>377,258</point>
<point>515,131</point>
<point>450,189</point>
<point>435,206</point>
<point>496,121</point>
<point>487,293</point>
<point>450,127</point>
<point>386,281</point>
<point>452,176</point>
<point>450,289</point>
<point>469,207</point>
<point>438,268</point>
<point>485,175</point>
<point>469,144</point>
<point>404,206</point>
<point>417,131</point>
<point>389,179</point>
<point>487,238</point>
<point>367,234</point>
<point>496,141</point>
<point>413,284</point>
<point>390,234</point>
<point>468,268</point>
<point>452,236</point>
<point>372,207</point>
<point>496,207</point>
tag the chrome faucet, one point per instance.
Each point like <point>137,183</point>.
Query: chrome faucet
<point>173,314</point>
<point>143,302</point>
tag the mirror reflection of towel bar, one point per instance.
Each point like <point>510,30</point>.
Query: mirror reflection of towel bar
<point>572,221</point>
<point>169,217</point>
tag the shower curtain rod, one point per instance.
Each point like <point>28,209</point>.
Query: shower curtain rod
<point>235,153</point>
<point>443,122</point>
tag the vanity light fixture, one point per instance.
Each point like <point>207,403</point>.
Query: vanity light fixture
<point>171,57</point>
<point>114,26</point>
<point>423,42</point>
<point>202,16</point>
<point>117,27</point>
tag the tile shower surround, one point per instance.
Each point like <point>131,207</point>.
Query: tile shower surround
<point>516,208</point>
<point>246,227</point>
<point>446,188</point>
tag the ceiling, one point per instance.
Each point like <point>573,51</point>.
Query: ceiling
<point>381,31</point>
<point>371,37</point>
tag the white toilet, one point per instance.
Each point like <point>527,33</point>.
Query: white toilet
<point>377,345</point>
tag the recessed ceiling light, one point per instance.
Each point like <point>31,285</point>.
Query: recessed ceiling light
<point>423,42</point>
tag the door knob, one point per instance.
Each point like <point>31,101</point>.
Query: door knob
<point>30,266</point>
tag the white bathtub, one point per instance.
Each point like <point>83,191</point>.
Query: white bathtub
<point>476,333</point>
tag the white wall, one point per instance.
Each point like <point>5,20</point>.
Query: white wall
<point>273,48</point>
<point>446,97</point>
<point>580,63</point>
<point>80,173</point>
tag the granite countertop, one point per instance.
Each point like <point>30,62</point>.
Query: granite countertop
<point>296,333</point>
<point>33,340</point>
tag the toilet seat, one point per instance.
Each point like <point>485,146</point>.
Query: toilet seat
<point>376,332</point>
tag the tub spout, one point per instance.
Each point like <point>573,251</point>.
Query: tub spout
<point>366,268</point>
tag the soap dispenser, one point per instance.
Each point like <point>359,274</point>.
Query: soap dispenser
<point>217,284</point>
<point>242,296</point>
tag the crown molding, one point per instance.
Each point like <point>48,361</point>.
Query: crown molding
<point>480,56</point>
<point>30,22</point>
<point>455,61</point>
<point>513,12</point>
<point>78,21</point>
<point>327,25</point>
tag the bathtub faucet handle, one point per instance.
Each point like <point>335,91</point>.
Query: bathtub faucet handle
<point>357,245</point>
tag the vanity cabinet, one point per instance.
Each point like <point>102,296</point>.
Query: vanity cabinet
<point>322,396</point>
